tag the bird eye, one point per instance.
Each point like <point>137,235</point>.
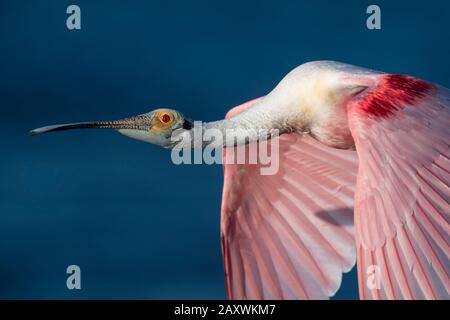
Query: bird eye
<point>166,118</point>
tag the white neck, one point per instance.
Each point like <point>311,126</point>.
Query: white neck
<point>262,121</point>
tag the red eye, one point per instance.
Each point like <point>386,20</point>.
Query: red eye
<point>165,118</point>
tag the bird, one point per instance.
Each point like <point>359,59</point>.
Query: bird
<point>363,179</point>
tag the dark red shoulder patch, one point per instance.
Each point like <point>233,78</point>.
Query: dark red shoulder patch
<point>393,93</point>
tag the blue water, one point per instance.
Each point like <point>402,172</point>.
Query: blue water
<point>137,225</point>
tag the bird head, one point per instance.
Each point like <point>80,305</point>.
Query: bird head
<point>160,127</point>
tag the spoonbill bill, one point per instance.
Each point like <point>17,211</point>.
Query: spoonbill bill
<point>364,175</point>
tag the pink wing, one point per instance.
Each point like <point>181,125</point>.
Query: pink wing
<point>289,235</point>
<point>402,132</point>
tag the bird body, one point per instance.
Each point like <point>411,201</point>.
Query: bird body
<point>311,98</point>
<point>364,175</point>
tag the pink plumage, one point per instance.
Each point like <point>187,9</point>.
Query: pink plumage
<point>402,198</point>
<point>291,235</point>
<point>393,92</point>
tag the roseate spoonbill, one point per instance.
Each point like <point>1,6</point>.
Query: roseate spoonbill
<point>352,140</point>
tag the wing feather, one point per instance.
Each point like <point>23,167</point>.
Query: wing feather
<point>402,208</point>
<point>290,235</point>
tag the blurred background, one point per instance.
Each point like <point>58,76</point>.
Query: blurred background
<point>137,225</point>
